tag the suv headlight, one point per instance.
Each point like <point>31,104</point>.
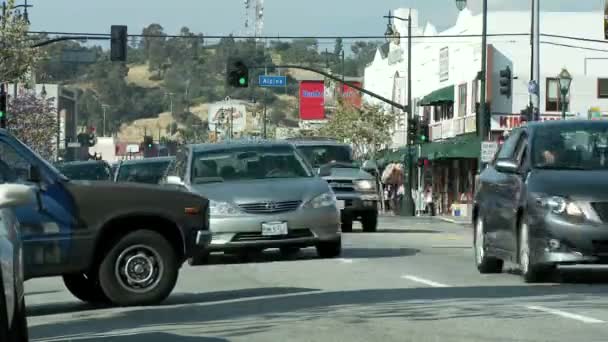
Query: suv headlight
<point>327,199</point>
<point>365,185</point>
<point>562,206</point>
<point>223,209</point>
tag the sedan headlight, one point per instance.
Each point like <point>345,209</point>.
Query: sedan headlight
<point>562,206</point>
<point>327,199</point>
<point>365,185</point>
<point>223,209</point>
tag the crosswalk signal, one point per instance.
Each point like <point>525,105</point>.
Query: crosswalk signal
<point>237,73</point>
<point>3,98</point>
<point>506,81</point>
<point>424,132</point>
<point>118,44</point>
<point>412,129</point>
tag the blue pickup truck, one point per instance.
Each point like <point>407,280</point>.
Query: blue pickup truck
<point>111,242</point>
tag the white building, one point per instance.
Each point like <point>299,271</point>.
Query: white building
<point>445,89</point>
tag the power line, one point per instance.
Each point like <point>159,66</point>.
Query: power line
<point>574,46</point>
<point>575,38</point>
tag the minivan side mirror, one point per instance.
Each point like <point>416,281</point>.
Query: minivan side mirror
<point>324,172</point>
<point>16,195</point>
<point>370,165</point>
<point>175,180</point>
<point>506,166</point>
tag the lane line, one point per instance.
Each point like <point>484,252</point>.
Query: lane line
<point>584,319</point>
<point>424,281</point>
<point>345,261</point>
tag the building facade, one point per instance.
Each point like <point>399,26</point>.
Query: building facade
<point>446,86</point>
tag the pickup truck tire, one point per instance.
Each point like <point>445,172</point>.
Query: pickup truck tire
<point>18,331</point>
<point>369,222</point>
<point>141,269</point>
<point>86,289</point>
<point>347,224</point>
<point>329,249</point>
<point>199,259</point>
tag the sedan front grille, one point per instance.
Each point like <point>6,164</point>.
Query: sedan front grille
<point>292,234</point>
<point>270,207</point>
<point>341,185</point>
<point>601,208</point>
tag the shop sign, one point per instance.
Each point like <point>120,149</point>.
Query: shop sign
<point>509,122</point>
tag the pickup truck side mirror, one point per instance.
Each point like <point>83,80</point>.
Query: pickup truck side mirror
<point>324,172</point>
<point>175,180</point>
<point>506,166</point>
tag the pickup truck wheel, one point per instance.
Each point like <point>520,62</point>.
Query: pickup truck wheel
<point>141,269</point>
<point>347,224</point>
<point>370,222</point>
<point>199,259</point>
<point>84,288</point>
<point>18,331</point>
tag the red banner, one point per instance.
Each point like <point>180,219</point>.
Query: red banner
<point>312,100</point>
<point>352,95</point>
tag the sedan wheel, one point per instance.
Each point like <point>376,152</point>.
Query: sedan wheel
<point>530,271</point>
<point>485,264</point>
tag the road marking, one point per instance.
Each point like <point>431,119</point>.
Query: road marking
<point>345,261</point>
<point>424,281</point>
<point>581,318</point>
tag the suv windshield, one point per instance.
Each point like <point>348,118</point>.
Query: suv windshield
<point>322,155</point>
<point>576,147</point>
<point>86,171</point>
<point>142,172</point>
<point>247,163</point>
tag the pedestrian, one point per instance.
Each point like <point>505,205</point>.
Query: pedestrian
<point>428,199</point>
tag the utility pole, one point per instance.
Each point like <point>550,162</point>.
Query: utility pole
<point>483,116</point>
<point>265,122</point>
<point>536,58</point>
<point>104,107</point>
<point>170,102</point>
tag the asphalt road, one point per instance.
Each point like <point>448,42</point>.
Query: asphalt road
<point>414,280</point>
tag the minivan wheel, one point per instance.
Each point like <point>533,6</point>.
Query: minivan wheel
<point>485,264</point>
<point>369,222</point>
<point>530,271</point>
<point>141,269</point>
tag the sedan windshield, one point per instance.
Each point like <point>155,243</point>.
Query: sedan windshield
<point>322,155</point>
<point>92,171</point>
<point>575,147</point>
<point>247,163</point>
<point>149,173</point>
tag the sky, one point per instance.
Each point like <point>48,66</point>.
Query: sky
<point>283,17</point>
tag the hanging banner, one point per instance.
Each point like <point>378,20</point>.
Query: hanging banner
<point>312,100</point>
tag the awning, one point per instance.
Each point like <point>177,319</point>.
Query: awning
<point>439,96</point>
<point>462,146</point>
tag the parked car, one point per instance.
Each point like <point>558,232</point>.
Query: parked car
<point>543,201</point>
<point>147,170</point>
<point>262,195</point>
<point>13,321</point>
<point>356,189</point>
<point>86,170</point>
<point>112,242</point>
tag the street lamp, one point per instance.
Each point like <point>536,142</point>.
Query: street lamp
<point>565,80</point>
<point>407,205</point>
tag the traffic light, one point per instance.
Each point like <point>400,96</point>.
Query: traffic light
<point>3,106</point>
<point>237,73</point>
<point>412,129</point>
<point>148,142</point>
<point>118,43</point>
<point>424,133</point>
<point>83,139</point>
<point>506,81</point>
<point>91,137</point>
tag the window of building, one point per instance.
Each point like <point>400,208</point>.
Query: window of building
<point>462,99</point>
<point>475,96</point>
<point>426,112</point>
<point>553,102</point>
<point>602,88</point>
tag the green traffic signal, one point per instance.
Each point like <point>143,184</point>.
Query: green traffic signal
<point>242,81</point>
<point>1,115</point>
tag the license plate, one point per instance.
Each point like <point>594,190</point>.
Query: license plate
<point>274,228</point>
<point>341,204</point>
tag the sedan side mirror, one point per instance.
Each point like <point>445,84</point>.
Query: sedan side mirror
<point>16,195</point>
<point>506,166</point>
<point>175,180</point>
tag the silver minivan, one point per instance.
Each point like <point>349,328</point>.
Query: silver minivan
<point>262,195</point>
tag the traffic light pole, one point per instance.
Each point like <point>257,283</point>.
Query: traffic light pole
<point>407,205</point>
<point>3,106</point>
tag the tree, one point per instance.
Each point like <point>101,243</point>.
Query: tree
<point>17,57</point>
<point>338,47</point>
<point>28,113</point>
<point>367,128</point>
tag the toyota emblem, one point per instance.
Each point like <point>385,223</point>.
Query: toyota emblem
<point>271,206</point>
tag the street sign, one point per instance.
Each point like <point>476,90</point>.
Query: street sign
<point>533,88</point>
<point>488,151</point>
<point>132,148</point>
<point>272,81</point>
<point>73,144</point>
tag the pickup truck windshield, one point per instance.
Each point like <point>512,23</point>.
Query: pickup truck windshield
<point>323,155</point>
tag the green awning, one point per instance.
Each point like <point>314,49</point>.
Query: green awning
<point>439,96</point>
<point>462,146</point>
